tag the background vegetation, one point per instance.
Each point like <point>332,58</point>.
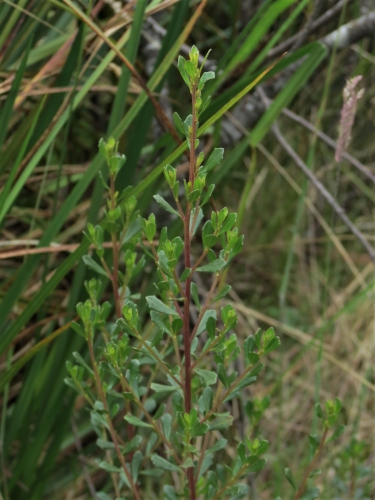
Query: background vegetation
<point>64,84</point>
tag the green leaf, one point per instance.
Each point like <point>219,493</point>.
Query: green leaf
<point>178,123</point>
<point>274,344</point>
<point>164,204</point>
<point>199,429</point>
<point>159,412</point>
<point>77,328</point>
<point>205,105</point>
<point>209,240</point>
<point>208,75</point>
<point>206,400</point>
<point>163,388</point>
<point>211,327</point>
<point>221,371</point>
<point>237,466</point>
<point>338,432</point>
<point>103,496</point>
<point>187,463</point>
<point>190,70</point>
<point>208,194</point>
<point>206,463</point>
<point>166,424</point>
<point>311,493</point>
<point>207,377</point>
<point>210,313</point>
<point>7,107</point>
<point>136,462</point>
<point>214,159</point>
<point>105,445</point>
<point>255,464</point>
<point>319,411</point>
<point>157,305</point>
<point>161,463</point>
<point>194,294</point>
<point>212,267</point>
<point>170,493</point>
<point>314,442</point>
<point>82,362</point>
<point>136,421</point>
<point>228,223</point>
<point>222,293</point>
<point>109,467</point>
<point>89,261</point>
<point>250,356</point>
<point>249,379</point>
<point>315,472</point>
<point>184,276</point>
<point>289,475</point>
<point>181,64</point>
<point>219,445</point>
<point>221,422</point>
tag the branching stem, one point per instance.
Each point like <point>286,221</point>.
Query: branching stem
<point>312,465</point>
<point>111,429</point>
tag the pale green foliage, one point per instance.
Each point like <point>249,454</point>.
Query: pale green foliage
<point>143,354</point>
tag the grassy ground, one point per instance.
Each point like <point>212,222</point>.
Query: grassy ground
<point>64,84</point>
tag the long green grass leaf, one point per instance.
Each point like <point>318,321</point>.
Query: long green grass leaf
<point>7,110</point>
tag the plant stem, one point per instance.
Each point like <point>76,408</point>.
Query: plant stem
<point>186,326</point>
<point>228,392</point>
<point>178,283</point>
<point>204,253</point>
<point>155,356</point>
<point>108,418</point>
<point>310,468</point>
<point>116,295</point>
<point>127,387</point>
<point>115,250</point>
<point>230,483</point>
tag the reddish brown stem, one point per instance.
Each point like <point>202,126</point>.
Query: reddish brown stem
<point>187,343</point>
<point>204,253</point>
<point>186,327</point>
<point>115,250</point>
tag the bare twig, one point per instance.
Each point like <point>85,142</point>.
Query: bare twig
<point>351,32</point>
<point>330,142</point>
<point>304,33</point>
<point>321,21</point>
<point>326,194</point>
